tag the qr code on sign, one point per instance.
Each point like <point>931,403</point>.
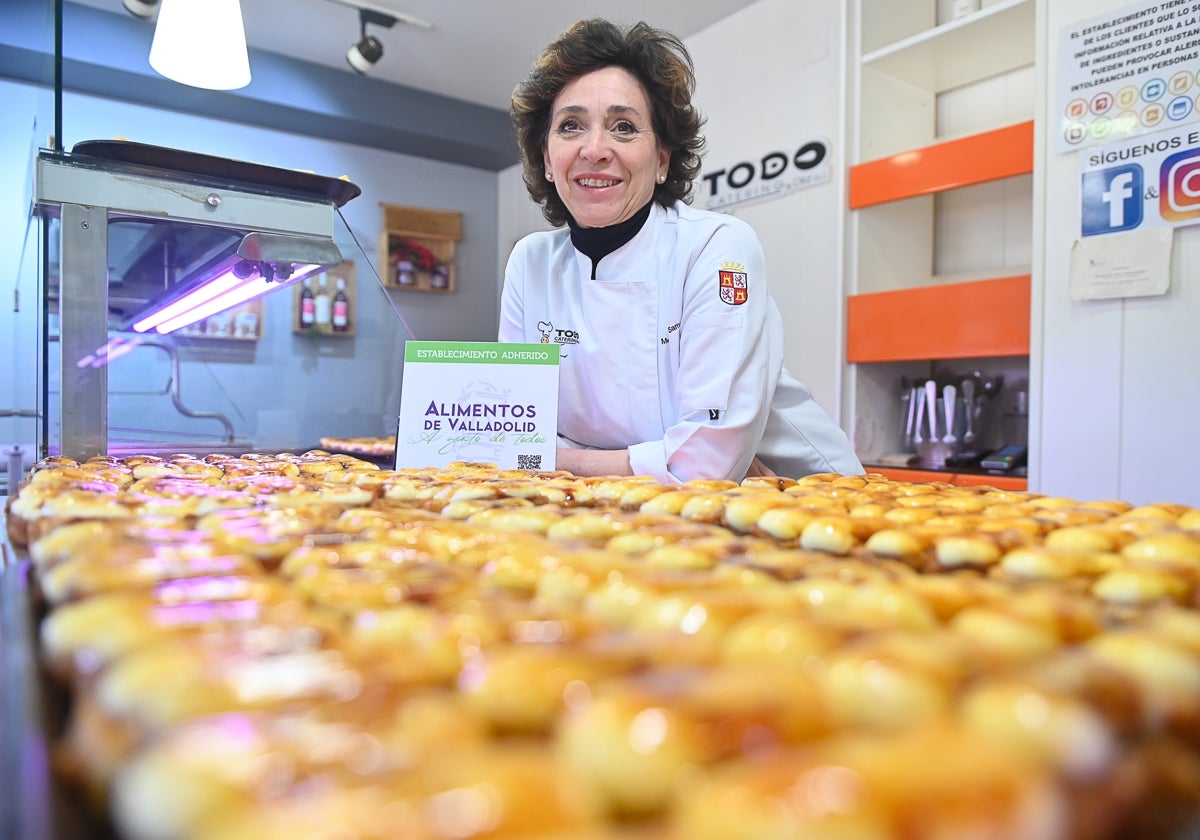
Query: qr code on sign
<point>529,462</point>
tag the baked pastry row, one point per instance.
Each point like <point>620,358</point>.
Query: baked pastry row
<point>306,644</point>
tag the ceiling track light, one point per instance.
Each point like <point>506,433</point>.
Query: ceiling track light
<point>363,55</point>
<point>141,8</point>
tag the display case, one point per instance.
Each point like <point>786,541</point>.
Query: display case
<point>129,232</point>
<point>122,229</point>
<point>32,805</point>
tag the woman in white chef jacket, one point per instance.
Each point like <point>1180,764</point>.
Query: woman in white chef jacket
<point>671,348</point>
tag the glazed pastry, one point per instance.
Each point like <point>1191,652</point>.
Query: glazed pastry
<point>300,644</point>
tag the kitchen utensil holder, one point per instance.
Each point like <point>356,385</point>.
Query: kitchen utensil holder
<point>932,454</point>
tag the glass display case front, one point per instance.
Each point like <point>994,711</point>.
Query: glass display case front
<point>164,328</point>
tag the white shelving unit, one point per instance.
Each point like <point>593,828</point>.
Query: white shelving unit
<point>960,52</point>
<point>917,84</point>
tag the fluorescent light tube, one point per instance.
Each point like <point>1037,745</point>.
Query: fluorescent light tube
<point>227,298</point>
<point>220,284</point>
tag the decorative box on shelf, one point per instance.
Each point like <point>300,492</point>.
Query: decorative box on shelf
<point>416,248</point>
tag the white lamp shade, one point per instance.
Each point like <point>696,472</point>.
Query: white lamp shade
<point>201,43</point>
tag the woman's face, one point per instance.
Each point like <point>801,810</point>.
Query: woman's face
<point>602,152</point>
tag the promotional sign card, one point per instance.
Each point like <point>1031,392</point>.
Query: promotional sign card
<point>478,401</point>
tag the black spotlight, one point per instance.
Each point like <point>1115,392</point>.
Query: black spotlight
<point>363,55</point>
<point>141,8</point>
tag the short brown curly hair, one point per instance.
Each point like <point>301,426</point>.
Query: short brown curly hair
<point>659,61</point>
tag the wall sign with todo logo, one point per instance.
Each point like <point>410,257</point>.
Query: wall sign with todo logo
<point>478,401</point>
<point>768,175</point>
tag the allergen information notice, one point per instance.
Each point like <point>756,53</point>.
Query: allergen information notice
<point>1128,73</point>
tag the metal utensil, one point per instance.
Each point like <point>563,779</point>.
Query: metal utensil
<point>912,408</point>
<point>931,399</point>
<point>949,401</point>
<point>968,389</point>
<point>992,385</point>
<point>919,396</point>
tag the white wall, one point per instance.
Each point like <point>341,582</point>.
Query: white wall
<point>518,216</point>
<point>1119,392</point>
<point>768,77</point>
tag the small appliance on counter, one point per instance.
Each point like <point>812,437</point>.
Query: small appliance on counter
<point>1005,459</point>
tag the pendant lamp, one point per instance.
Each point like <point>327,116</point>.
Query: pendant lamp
<point>201,43</point>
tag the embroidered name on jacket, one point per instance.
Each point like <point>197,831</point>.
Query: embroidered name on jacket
<point>733,283</point>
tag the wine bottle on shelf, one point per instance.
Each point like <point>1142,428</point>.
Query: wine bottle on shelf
<point>308,307</point>
<point>322,305</point>
<point>341,307</point>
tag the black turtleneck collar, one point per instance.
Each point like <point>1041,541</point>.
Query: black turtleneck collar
<point>598,243</point>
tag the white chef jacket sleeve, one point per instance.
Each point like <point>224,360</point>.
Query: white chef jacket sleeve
<point>730,357</point>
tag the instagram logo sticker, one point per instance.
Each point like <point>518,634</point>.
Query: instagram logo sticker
<point>1179,186</point>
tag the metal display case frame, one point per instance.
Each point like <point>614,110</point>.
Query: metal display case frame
<point>129,180</point>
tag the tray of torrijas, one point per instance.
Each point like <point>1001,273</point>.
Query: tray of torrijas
<point>310,645</point>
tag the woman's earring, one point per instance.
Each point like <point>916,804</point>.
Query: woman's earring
<point>662,179</point>
<point>549,177</point>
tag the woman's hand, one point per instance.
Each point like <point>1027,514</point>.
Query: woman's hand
<point>758,469</point>
<point>590,462</point>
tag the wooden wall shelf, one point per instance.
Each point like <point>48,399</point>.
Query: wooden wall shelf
<point>982,318</point>
<point>976,159</point>
<point>434,232</point>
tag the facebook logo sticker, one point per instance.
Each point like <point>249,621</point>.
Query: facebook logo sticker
<point>1112,199</point>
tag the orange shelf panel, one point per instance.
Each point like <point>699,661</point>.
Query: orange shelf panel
<point>1000,482</point>
<point>978,319</point>
<point>976,159</point>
